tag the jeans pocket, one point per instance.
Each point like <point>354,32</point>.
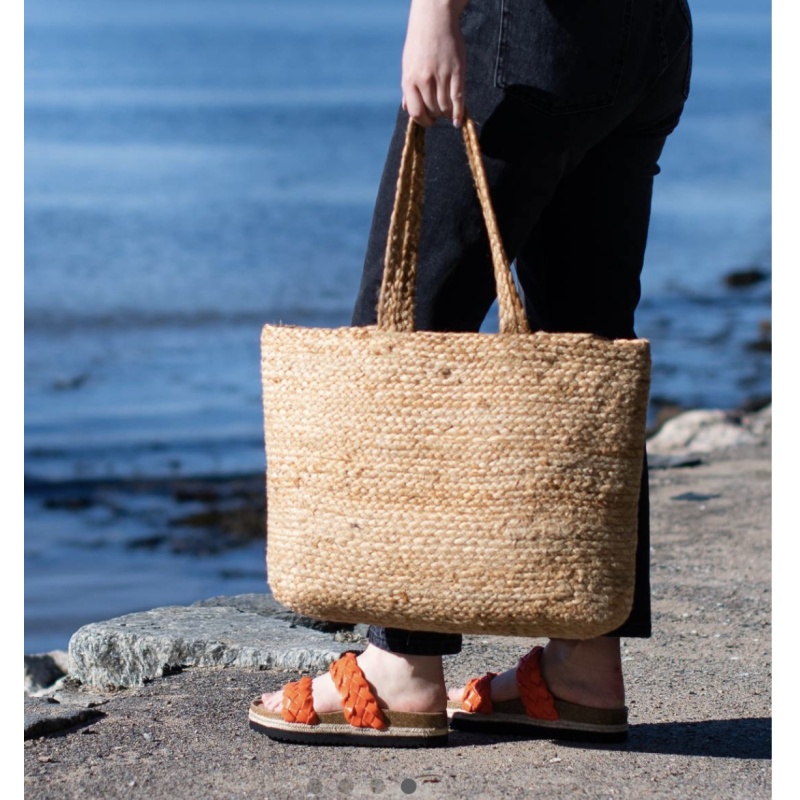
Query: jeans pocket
<point>563,57</point>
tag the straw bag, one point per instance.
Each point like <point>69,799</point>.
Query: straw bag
<point>454,482</point>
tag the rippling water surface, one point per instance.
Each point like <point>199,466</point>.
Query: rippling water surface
<point>196,169</point>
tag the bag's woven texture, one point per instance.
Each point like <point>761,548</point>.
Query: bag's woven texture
<point>453,481</point>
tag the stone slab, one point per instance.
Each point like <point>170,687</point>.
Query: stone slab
<point>709,430</point>
<point>130,650</point>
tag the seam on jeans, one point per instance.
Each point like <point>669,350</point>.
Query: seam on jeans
<point>684,6</point>
<point>502,36</point>
<point>687,82</point>
<point>686,12</point>
<point>624,50</point>
<point>662,41</point>
<point>665,60</point>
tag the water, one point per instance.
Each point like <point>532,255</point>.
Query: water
<point>196,169</point>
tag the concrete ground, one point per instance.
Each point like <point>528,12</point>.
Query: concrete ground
<point>699,693</point>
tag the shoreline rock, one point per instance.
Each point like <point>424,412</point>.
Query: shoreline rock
<point>705,431</point>
<point>129,651</point>
<point>45,672</point>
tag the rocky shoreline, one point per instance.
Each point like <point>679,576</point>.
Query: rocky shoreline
<point>699,689</point>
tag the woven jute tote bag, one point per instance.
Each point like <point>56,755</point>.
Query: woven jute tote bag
<point>454,482</point>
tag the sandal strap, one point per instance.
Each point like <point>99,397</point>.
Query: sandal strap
<point>478,695</point>
<point>298,702</point>
<point>536,697</point>
<point>359,704</point>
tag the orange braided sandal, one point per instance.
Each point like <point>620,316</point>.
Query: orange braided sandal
<point>360,722</point>
<point>536,712</point>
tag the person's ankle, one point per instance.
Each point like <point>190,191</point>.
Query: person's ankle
<point>587,672</point>
<point>405,682</point>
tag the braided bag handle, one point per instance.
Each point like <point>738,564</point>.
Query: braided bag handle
<point>396,300</point>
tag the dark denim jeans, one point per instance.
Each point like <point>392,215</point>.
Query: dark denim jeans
<point>573,100</point>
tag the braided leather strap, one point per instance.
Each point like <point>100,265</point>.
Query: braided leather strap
<point>359,704</point>
<point>478,694</point>
<point>298,702</point>
<point>533,690</point>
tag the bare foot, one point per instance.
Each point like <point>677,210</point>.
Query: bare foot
<point>399,682</point>
<point>587,672</point>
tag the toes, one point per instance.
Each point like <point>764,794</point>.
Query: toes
<point>272,702</point>
<point>456,695</point>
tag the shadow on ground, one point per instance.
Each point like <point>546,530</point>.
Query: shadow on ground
<point>747,738</point>
<point>750,737</point>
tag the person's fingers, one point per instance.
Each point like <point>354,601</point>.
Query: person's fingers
<point>428,91</point>
<point>420,97</point>
<point>457,97</point>
<point>443,99</point>
<point>416,108</point>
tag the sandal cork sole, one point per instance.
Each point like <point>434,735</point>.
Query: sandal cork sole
<point>574,723</point>
<point>404,729</point>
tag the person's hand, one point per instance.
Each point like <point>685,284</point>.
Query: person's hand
<point>434,62</point>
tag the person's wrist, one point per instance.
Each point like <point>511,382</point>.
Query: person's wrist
<point>454,6</point>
